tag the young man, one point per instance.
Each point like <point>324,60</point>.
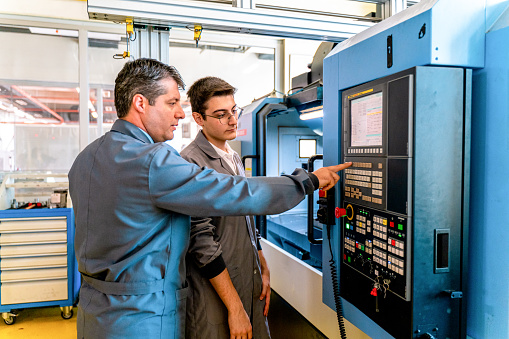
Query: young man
<point>133,194</point>
<point>227,272</point>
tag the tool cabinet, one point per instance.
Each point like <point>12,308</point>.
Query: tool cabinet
<point>37,263</point>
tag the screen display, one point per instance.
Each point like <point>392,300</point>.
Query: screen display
<point>366,118</point>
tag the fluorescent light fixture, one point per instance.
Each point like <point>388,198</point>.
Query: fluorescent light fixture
<point>206,43</point>
<point>312,115</point>
<point>52,31</point>
<point>74,33</point>
<point>104,36</point>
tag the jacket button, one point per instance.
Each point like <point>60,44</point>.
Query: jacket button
<point>254,271</point>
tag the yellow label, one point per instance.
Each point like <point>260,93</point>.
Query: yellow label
<point>360,93</point>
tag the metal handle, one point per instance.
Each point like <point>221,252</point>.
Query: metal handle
<point>311,237</point>
<point>33,267</point>
<point>32,219</point>
<point>31,255</point>
<point>248,157</point>
<point>60,277</point>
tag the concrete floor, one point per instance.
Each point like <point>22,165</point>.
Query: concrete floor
<point>40,323</point>
<point>47,323</point>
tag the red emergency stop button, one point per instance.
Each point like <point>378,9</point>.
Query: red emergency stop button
<point>322,193</point>
<point>339,212</point>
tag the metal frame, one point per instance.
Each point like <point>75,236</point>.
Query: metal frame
<point>152,43</point>
<point>268,22</point>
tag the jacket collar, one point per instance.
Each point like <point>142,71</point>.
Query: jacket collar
<point>127,128</point>
<point>205,146</point>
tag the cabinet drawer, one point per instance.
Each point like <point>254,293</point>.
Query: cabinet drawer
<point>40,224</point>
<point>33,262</point>
<point>32,250</point>
<point>33,274</point>
<point>32,238</point>
<point>36,291</point>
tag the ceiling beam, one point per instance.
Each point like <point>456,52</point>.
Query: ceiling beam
<point>268,22</point>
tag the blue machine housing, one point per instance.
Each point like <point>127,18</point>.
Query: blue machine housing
<point>248,133</point>
<point>488,303</point>
<point>426,34</point>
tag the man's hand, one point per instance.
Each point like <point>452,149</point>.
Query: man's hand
<point>238,321</point>
<point>328,177</point>
<point>240,326</point>
<point>266,283</point>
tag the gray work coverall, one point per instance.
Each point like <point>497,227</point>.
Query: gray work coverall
<point>229,242</point>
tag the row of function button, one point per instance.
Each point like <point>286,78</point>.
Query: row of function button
<point>357,194</point>
<point>357,164</point>
<point>365,173</point>
<point>373,150</point>
<point>357,180</point>
<point>394,246</point>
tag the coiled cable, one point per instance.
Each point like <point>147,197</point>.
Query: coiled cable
<point>335,286</point>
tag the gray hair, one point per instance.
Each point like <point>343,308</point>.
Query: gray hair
<point>142,76</point>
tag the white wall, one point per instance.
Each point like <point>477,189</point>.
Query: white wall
<point>63,9</point>
<point>251,76</point>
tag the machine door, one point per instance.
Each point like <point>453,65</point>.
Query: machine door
<point>289,229</point>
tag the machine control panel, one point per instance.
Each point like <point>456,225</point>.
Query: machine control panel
<point>401,238</point>
<point>376,244</point>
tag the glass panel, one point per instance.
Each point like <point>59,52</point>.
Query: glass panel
<point>307,148</point>
<point>39,130</point>
<point>109,110</point>
<point>38,100</point>
<point>103,70</point>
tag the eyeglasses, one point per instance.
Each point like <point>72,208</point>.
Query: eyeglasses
<point>224,118</point>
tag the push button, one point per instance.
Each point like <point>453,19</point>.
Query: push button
<point>339,212</point>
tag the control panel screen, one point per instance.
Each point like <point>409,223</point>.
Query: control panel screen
<point>367,120</point>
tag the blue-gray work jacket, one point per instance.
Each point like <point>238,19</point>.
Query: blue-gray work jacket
<point>132,201</point>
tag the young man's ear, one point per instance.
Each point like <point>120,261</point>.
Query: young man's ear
<point>198,118</point>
